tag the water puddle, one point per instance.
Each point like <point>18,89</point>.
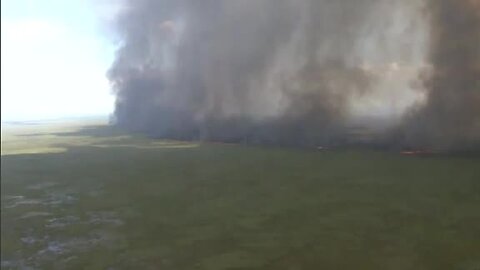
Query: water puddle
<point>53,238</point>
<point>107,218</point>
<point>43,185</point>
<point>62,222</point>
<point>59,251</point>
<point>35,214</point>
<point>59,199</point>
<point>15,201</point>
<point>52,199</point>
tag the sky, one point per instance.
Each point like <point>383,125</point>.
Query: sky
<point>55,55</point>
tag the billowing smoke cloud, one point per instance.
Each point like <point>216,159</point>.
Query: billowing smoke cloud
<point>301,72</point>
<point>450,118</point>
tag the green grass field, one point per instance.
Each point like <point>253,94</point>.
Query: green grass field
<point>86,196</point>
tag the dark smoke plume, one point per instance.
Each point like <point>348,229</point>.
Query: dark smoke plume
<point>450,119</point>
<point>300,72</point>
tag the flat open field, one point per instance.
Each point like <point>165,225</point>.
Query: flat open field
<point>85,196</point>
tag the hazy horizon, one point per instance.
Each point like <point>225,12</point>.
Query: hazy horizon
<point>55,55</point>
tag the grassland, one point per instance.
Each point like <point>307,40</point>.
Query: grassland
<point>86,196</point>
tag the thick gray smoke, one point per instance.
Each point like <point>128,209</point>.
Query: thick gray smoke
<point>301,72</point>
<point>450,117</point>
